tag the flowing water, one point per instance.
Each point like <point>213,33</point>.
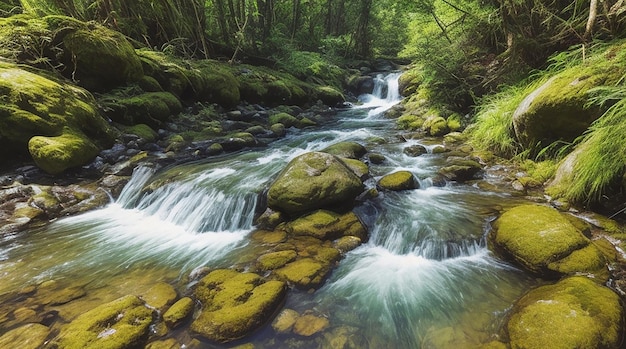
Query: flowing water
<point>425,279</point>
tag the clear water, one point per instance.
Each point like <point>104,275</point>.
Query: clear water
<point>425,279</point>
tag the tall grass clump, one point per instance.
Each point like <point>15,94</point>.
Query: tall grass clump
<point>601,157</point>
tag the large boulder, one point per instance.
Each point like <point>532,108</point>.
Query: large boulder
<point>311,181</point>
<point>545,242</point>
<point>400,180</point>
<point>122,323</point>
<point>574,313</point>
<point>235,304</point>
<point>100,59</point>
<point>558,109</point>
<point>350,150</point>
<point>64,116</point>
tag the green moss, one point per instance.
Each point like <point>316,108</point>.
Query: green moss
<point>101,58</point>
<point>235,304</point>
<point>313,180</point>
<point>160,296</point>
<point>143,131</point>
<point>410,80</point>
<point>123,323</point>
<point>149,84</point>
<point>359,168</point>
<point>400,180</point>
<point>573,313</point>
<point>56,154</point>
<point>275,260</point>
<point>29,336</point>
<point>435,125</point>
<point>327,225</point>
<point>150,108</point>
<point>588,260</point>
<point>284,119</point>
<point>536,236</point>
<point>350,150</point>
<point>179,312</point>
<point>410,122</point>
<point>305,272</point>
<point>330,96</point>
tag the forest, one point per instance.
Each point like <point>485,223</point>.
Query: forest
<point>312,174</point>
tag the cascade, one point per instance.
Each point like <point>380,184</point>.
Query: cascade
<point>424,270</point>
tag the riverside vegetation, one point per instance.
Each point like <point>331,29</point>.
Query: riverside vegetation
<point>534,98</point>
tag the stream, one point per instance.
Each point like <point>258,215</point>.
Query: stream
<point>425,279</point>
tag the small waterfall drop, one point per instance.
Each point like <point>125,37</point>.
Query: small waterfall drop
<point>384,95</point>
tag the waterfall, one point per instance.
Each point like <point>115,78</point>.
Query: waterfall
<point>384,95</point>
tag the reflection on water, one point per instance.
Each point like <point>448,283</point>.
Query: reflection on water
<point>424,279</point>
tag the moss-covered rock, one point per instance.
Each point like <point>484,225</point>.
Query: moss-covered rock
<point>545,242</point>
<point>410,122</point>
<point>460,169</point>
<point>122,323</point>
<point>178,312</point>
<point>350,150</point>
<point>304,273</point>
<point>34,105</point>
<point>143,131</point>
<point>275,260</point>
<point>285,320</point>
<point>435,125</point>
<point>235,304</point>
<point>328,225</point>
<point>330,96</point>
<point>558,110</point>
<point>309,324</point>
<point>358,167</point>
<point>410,80</point>
<point>100,58</point>
<point>151,108</point>
<point>573,313</point>
<point>29,336</point>
<point>284,119</point>
<point>56,154</point>
<point>400,180</point>
<point>311,181</point>
<point>160,296</point>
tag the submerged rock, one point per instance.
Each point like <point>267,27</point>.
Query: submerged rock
<point>178,312</point>
<point>235,304</point>
<point>311,181</point>
<point>545,242</point>
<point>309,324</point>
<point>574,313</point>
<point>122,323</point>
<point>29,336</point>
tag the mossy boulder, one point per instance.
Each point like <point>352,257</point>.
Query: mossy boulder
<point>574,313</point>
<point>235,304</point>
<point>143,131</point>
<point>410,80</point>
<point>34,105</point>
<point>285,119</point>
<point>330,96</point>
<point>460,169</point>
<point>435,125</point>
<point>311,181</point>
<point>100,59</point>
<point>350,150</point>
<point>359,168</point>
<point>122,323</point>
<point>400,180</point>
<point>274,260</point>
<point>178,312</point>
<point>410,122</point>
<point>558,109</point>
<point>328,225</point>
<point>56,154</point>
<point>304,273</point>
<point>151,108</point>
<point>545,242</point>
<point>160,296</point>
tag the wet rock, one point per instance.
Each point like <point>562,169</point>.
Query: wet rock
<point>376,158</point>
<point>278,129</point>
<point>435,125</point>
<point>160,296</point>
<point>29,336</point>
<point>285,320</point>
<point>359,168</point>
<point>235,304</point>
<point>401,180</point>
<point>574,313</point>
<point>122,323</point>
<point>309,324</point>
<point>269,237</point>
<point>178,312</point>
<point>304,273</point>
<point>274,260</point>
<point>170,343</point>
<point>344,337</point>
<point>460,169</point>
<point>415,150</point>
<point>284,119</point>
<point>545,242</point>
<point>328,225</point>
<point>347,243</point>
<point>350,150</point>
<point>313,180</point>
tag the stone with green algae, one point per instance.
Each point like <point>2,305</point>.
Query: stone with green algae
<point>400,180</point>
<point>328,225</point>
<point>284,321</point>
<point>350,150</point>
<point>274,260</point>
<point>576,312</point>
<point>170,343</point>
<point>283,118</point>
<point>178,312</point>
<point>311,181</point>
<point>359,168</point>
<point>543,241</point>
<point>305,272</point>
<point>143,131</point>
<point>122,323</point>
<point>587,260</point>
<point>460,169</point>
<point>235,304</point>
<point>55,154</point>
<point>29,336</point>
<point>309,324</point>
<point>330,95</point>
<point>436,125</point>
